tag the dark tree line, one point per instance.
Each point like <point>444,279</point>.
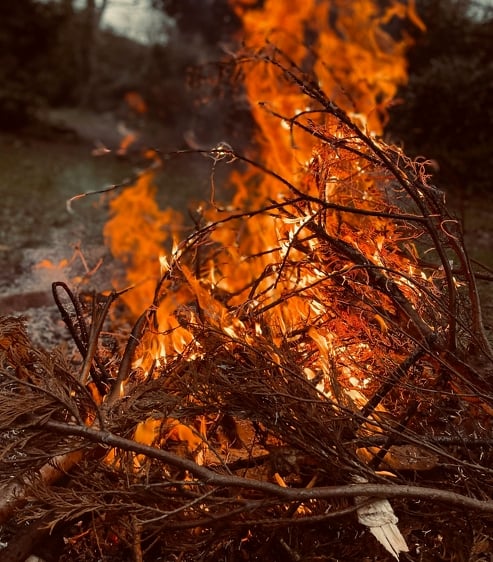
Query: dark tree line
<point>49,56</point>
<point>30,53</point>
<point>447,106</point>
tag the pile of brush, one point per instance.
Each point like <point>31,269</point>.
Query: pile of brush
<point>304,360</point>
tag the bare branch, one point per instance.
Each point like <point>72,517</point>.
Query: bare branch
<point>212,478</point>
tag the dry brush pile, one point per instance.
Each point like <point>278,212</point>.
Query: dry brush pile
<point>301,356</point>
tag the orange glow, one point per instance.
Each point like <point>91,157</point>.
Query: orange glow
<point>186,441</point>
<point>48,264</point>
<point>136,102</point>
<point>126,142</point>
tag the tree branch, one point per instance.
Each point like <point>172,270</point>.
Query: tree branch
<point>212,478</point>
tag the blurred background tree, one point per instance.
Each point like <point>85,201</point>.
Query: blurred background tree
<point>34,69</point>
<point>213,20</point>
<point>446,110</point>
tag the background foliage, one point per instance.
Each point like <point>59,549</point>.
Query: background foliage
<point>49,58</point>
<point>448,102</point>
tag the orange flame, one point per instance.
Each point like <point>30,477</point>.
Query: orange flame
<point>360,66</point>
<point>137,232</point>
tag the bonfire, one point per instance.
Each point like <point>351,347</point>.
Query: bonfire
<point>307,367</point>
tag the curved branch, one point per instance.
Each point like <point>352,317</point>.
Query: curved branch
<point>210,477</point>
